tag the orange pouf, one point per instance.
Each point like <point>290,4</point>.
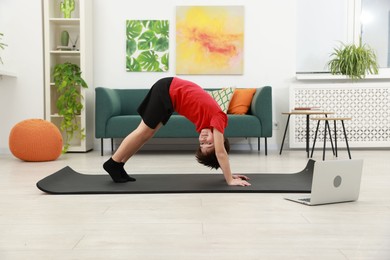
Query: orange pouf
<point>35,140</point>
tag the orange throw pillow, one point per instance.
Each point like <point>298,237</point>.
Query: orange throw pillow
<point>241,101</point>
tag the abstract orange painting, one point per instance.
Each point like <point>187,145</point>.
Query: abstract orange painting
<point>209,39</point>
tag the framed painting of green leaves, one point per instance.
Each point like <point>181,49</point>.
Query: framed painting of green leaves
<point>147,45</point>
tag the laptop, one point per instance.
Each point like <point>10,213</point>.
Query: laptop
<point>333,182</point>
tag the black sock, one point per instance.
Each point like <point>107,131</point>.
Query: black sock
<point>116,171</point>
<point>124,173</point>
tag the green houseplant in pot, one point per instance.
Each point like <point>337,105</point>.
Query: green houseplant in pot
<point>354,61</point>
<point>68,81</point>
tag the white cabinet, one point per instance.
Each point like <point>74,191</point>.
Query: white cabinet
<point>367,104</point>
<point>79,27</point>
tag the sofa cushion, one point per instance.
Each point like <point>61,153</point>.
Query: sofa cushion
<point>223,97</point>
<point>121,126</point>
<point>177,126</point>
<point>241,101</point>
<point>243,126</point>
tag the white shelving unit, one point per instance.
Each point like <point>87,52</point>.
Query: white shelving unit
<point>79,26</point>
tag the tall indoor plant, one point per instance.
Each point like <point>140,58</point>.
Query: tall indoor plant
<point>68,81</point>
<point>354,61</point>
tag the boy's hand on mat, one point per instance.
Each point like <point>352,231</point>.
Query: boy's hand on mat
<point>239,176</point>
<point>238,182</point>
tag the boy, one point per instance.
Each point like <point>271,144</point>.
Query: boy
<point>190,100</point>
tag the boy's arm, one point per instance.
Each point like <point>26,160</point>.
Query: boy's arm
<point>223,160</point>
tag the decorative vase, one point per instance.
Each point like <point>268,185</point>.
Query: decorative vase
<point>64,38</point>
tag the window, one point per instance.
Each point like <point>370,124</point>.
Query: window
<point>323,24</point>
<point>375,30</point>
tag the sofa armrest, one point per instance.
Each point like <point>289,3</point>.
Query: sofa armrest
<point>107,105</point>
<point>261,107</point>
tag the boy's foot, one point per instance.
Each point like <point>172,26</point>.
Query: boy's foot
<point>116,171</point>
<point>126,176</point>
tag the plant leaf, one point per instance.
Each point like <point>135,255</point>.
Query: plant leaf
<point>133,28</point>
<point>162,44</point>
<point>133,65</point>
<point>149,61</point>
<point>147,40</point>
<point>161,27</point>
<point>131,47</point>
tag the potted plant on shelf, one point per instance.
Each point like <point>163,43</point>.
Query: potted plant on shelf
<point>2,46</point>
<point>68,82</point>
<point>354,61</point>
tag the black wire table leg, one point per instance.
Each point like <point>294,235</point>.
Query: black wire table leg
<point>307,135</point>
<point>335,137</point>
<point>284,136</point>
<point>315,139</point>
<point>323,151</point>
<point>346,140</point>
<point>330,136</point>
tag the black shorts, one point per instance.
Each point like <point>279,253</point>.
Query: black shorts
<point>157,105</point>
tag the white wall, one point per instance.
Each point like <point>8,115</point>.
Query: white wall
<point>269,38</point>
<point>269,57</point>
<point>20,97</point>
<point>269,52</point>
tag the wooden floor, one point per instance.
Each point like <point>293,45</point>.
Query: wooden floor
<point>34,225</point>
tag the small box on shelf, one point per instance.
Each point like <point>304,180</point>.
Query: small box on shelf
<point>308,108</point>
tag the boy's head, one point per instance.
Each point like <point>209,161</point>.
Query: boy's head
<point>208,158</point>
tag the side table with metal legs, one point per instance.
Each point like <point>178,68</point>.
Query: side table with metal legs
<point>326,120</point>
<point>307,113</point>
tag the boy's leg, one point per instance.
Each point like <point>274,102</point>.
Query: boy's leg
<point>155,110</point>
<point>134,141</point>
<point>129,146</point>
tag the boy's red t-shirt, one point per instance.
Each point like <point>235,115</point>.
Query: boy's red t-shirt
<point>191,101</point>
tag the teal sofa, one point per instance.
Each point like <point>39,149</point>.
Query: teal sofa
<point>116,116</point>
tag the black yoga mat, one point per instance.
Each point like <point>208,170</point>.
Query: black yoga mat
<point>68,181</point>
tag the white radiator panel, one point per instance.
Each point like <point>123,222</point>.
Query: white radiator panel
<point>368,105</point>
